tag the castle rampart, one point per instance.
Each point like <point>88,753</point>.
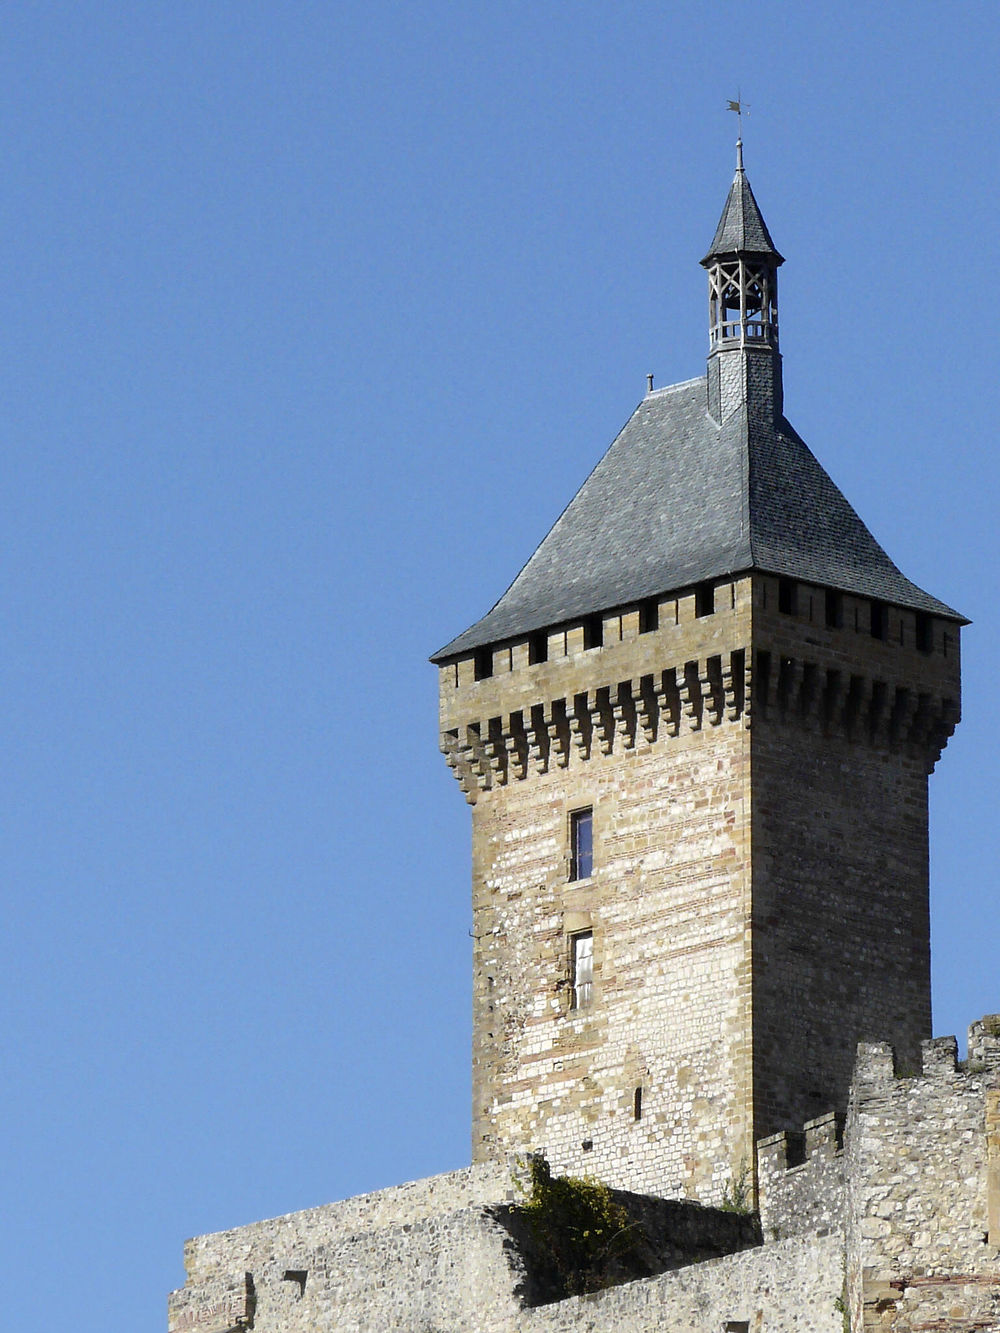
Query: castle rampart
<point>922,1147</point>
<point>906,1195</point>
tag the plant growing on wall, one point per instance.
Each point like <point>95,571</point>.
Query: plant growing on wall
<point>583,1237</point>
<point>737,1195</point>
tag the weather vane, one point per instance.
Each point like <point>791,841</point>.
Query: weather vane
<point>739,106</point>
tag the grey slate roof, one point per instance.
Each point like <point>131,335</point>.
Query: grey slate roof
<point>741,228</point>
<point>677,499</point>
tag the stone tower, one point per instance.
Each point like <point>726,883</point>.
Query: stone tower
<point>696,733</point>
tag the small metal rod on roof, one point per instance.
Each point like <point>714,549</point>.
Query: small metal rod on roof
<point>649,381</point>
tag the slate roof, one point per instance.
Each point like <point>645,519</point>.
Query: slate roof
<point>742,228</point>
<point>677,499</point>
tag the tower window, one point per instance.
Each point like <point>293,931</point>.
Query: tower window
<point>834,609</point>
<point>925,632</point>
<point>879,620</point>
<point>786,597</point>
<point>484,663</point>
<point>637,1103</point>
<point>704,599</point>
<point>581,844</point>
<point>649,616</point>
<point>582,959</point>
<point>593,632</point>
<point>538,648</point>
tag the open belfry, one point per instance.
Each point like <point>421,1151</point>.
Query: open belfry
<point>696,733</point>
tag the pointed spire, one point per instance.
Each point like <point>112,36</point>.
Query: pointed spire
<point>742,229</point>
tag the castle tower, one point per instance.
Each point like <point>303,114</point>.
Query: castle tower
<point>696,733</point>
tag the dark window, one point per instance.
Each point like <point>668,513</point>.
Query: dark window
<point>538,648</point>
<point>484,663</point>
<point>736,1326</point>
<point>925,632</point>
<point>583,969</point>
<point>593,632</point>
<point>704,599</point>
<point>880,620</point>
<point>637,1103</point>
<point>649,616</point>
<point>581,844</point>
<point>834,609</point>
<point>786,597</point>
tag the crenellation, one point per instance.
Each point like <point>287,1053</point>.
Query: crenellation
<point>984,1042</point>
<point>939,1057</point>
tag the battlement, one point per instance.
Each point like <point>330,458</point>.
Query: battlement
<point>682,663</point>
<point>923,1166</point>
<point>878,1068</point>
<point>800,1179</point>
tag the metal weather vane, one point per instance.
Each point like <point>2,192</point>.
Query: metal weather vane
<point>739,106</point>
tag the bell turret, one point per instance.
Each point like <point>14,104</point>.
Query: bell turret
<point>744,366</point>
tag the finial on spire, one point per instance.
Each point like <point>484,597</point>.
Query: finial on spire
<point>739,154</point>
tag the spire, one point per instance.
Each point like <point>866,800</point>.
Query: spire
<point>742,229</point>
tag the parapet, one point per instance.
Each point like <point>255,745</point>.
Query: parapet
<point>800,1179</point>
<point>923,1166</point>
<point>984,1042</point>
<point>877,1068</point>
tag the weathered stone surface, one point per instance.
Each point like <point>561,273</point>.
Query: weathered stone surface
<point>759,896</point>
<point>920,1171</point>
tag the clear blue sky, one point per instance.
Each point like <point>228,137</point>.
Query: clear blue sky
<point>313,316</point>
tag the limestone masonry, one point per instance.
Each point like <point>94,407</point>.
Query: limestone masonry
<point>695,735</point>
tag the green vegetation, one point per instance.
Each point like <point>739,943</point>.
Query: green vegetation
<point>737,1197</point>
<point>584,1239</point>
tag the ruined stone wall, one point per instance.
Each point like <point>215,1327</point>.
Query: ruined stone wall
<point>648,731</point>
<point>921,1151</point>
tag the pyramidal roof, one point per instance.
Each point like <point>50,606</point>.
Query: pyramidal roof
<point>681,498</point>
<point>742,229</point>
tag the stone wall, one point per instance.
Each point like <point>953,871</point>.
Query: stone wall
<point>800,1180</point>
<point>758,901</point>
<point>664,766</point>
<point>790,1287</point>
<point>446,1255</point>
<point>921,1159</point>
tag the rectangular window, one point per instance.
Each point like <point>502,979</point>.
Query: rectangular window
<point>834,609</point>
<point>581,844</point>
<point>484,663</point>
<point>787,601</point>
<point>538,648</point>
<point>704,599</point>
<point>649,616</point>
<point>879,620</point>
<point>593,632</point>
<point>925,632</point>
<point>583,969</point>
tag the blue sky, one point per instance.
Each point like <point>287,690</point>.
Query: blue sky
<point>313,316</point>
